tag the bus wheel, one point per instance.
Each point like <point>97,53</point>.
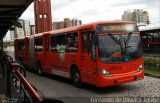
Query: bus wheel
<point>76,78</point>
<point>39,68</point>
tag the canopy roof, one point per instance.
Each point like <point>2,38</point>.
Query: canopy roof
<point>10,11</point>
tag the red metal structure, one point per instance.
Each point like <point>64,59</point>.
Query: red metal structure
<point>101,53</point>
<point>43,17</point>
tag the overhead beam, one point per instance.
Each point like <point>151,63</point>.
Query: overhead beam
<point>7,17</point>
<point>12,6</point>
<point>6,21</point>
<point>10,11</point>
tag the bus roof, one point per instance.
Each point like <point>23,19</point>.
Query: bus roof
<point>74,28</point>
<point>21,38</point>
<point>84,26</point>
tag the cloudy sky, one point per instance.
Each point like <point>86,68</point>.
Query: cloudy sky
<point>97,10</point>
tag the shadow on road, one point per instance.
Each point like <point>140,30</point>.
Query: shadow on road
<point>106,90</point>
<point>90,88</point>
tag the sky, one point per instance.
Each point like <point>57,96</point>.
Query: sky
<point>96,10</point>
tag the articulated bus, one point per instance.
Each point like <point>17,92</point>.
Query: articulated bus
<point>101,53</point>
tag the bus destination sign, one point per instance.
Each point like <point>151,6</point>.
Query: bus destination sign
<point>117,28</point>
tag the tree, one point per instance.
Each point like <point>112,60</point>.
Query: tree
<point>16,24</point>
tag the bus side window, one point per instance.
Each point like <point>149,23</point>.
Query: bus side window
<point>27,45</point>
<point>53,43</point>
<point>21,45</point>
<point>61,43</point>
<point>46,44</point>
<point>38,44</point>
<point>84,41</point>
<point>92,45</point>
<point>72,41</point>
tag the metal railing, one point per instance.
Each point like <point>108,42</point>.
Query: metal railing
<point>16,76</point>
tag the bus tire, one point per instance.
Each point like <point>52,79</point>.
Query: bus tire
<point>76,78</point>
<point>39,68</point>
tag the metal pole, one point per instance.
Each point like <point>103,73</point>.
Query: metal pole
<point>1,44</point>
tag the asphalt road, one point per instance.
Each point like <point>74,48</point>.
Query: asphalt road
<point>61,88</point>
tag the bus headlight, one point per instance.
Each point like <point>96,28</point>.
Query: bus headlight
<point>140,68</point>
<point>104,72</point>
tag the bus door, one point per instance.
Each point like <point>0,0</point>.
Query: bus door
<point>46,54</point>
<point>88,63</point>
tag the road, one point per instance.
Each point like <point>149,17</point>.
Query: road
<point>53,86</point>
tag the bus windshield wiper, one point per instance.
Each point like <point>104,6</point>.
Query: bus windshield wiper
<point>117,41</point>
<point>128,38</point>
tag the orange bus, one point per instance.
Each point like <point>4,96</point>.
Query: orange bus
<point>101,53</point>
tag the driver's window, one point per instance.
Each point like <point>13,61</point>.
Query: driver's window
<point>84,42</point>
<point>92,45</point>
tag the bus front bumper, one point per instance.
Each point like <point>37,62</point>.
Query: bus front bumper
<point>103,81</point>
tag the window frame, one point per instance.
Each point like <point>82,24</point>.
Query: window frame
<point>21,45</point>
<point>55,43</point>
<point>75,40</point>
<point>39,44</point>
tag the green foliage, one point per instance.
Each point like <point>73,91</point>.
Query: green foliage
<point>17,24</point>
<point>152,72</point>
<point>152,61</point>
<point>5,44</point>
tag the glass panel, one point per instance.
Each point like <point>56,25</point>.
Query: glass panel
<point>119,48</point>
<point>21,45</point>
<point>84,41</point>
<point>61,44</point>
<point>38,44</point>
<point>53,43</point>
<point>131,47</point>
<point>72,41</point>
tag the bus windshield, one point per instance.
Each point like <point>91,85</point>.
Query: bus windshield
<point>119,47</point>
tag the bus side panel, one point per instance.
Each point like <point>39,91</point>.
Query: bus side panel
<point>46,54</point>
<point>19,50</point>
<point>26,52</point>
<point>58,66</point>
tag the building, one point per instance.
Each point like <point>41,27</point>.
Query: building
<point>145,17</point>
<point>21,32</point>
<point>66,23</point>
<point>127,16</point>
<point>27,30</point>
<point>12,36</point>
<point>32,29</point>
<point>137,15</point>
